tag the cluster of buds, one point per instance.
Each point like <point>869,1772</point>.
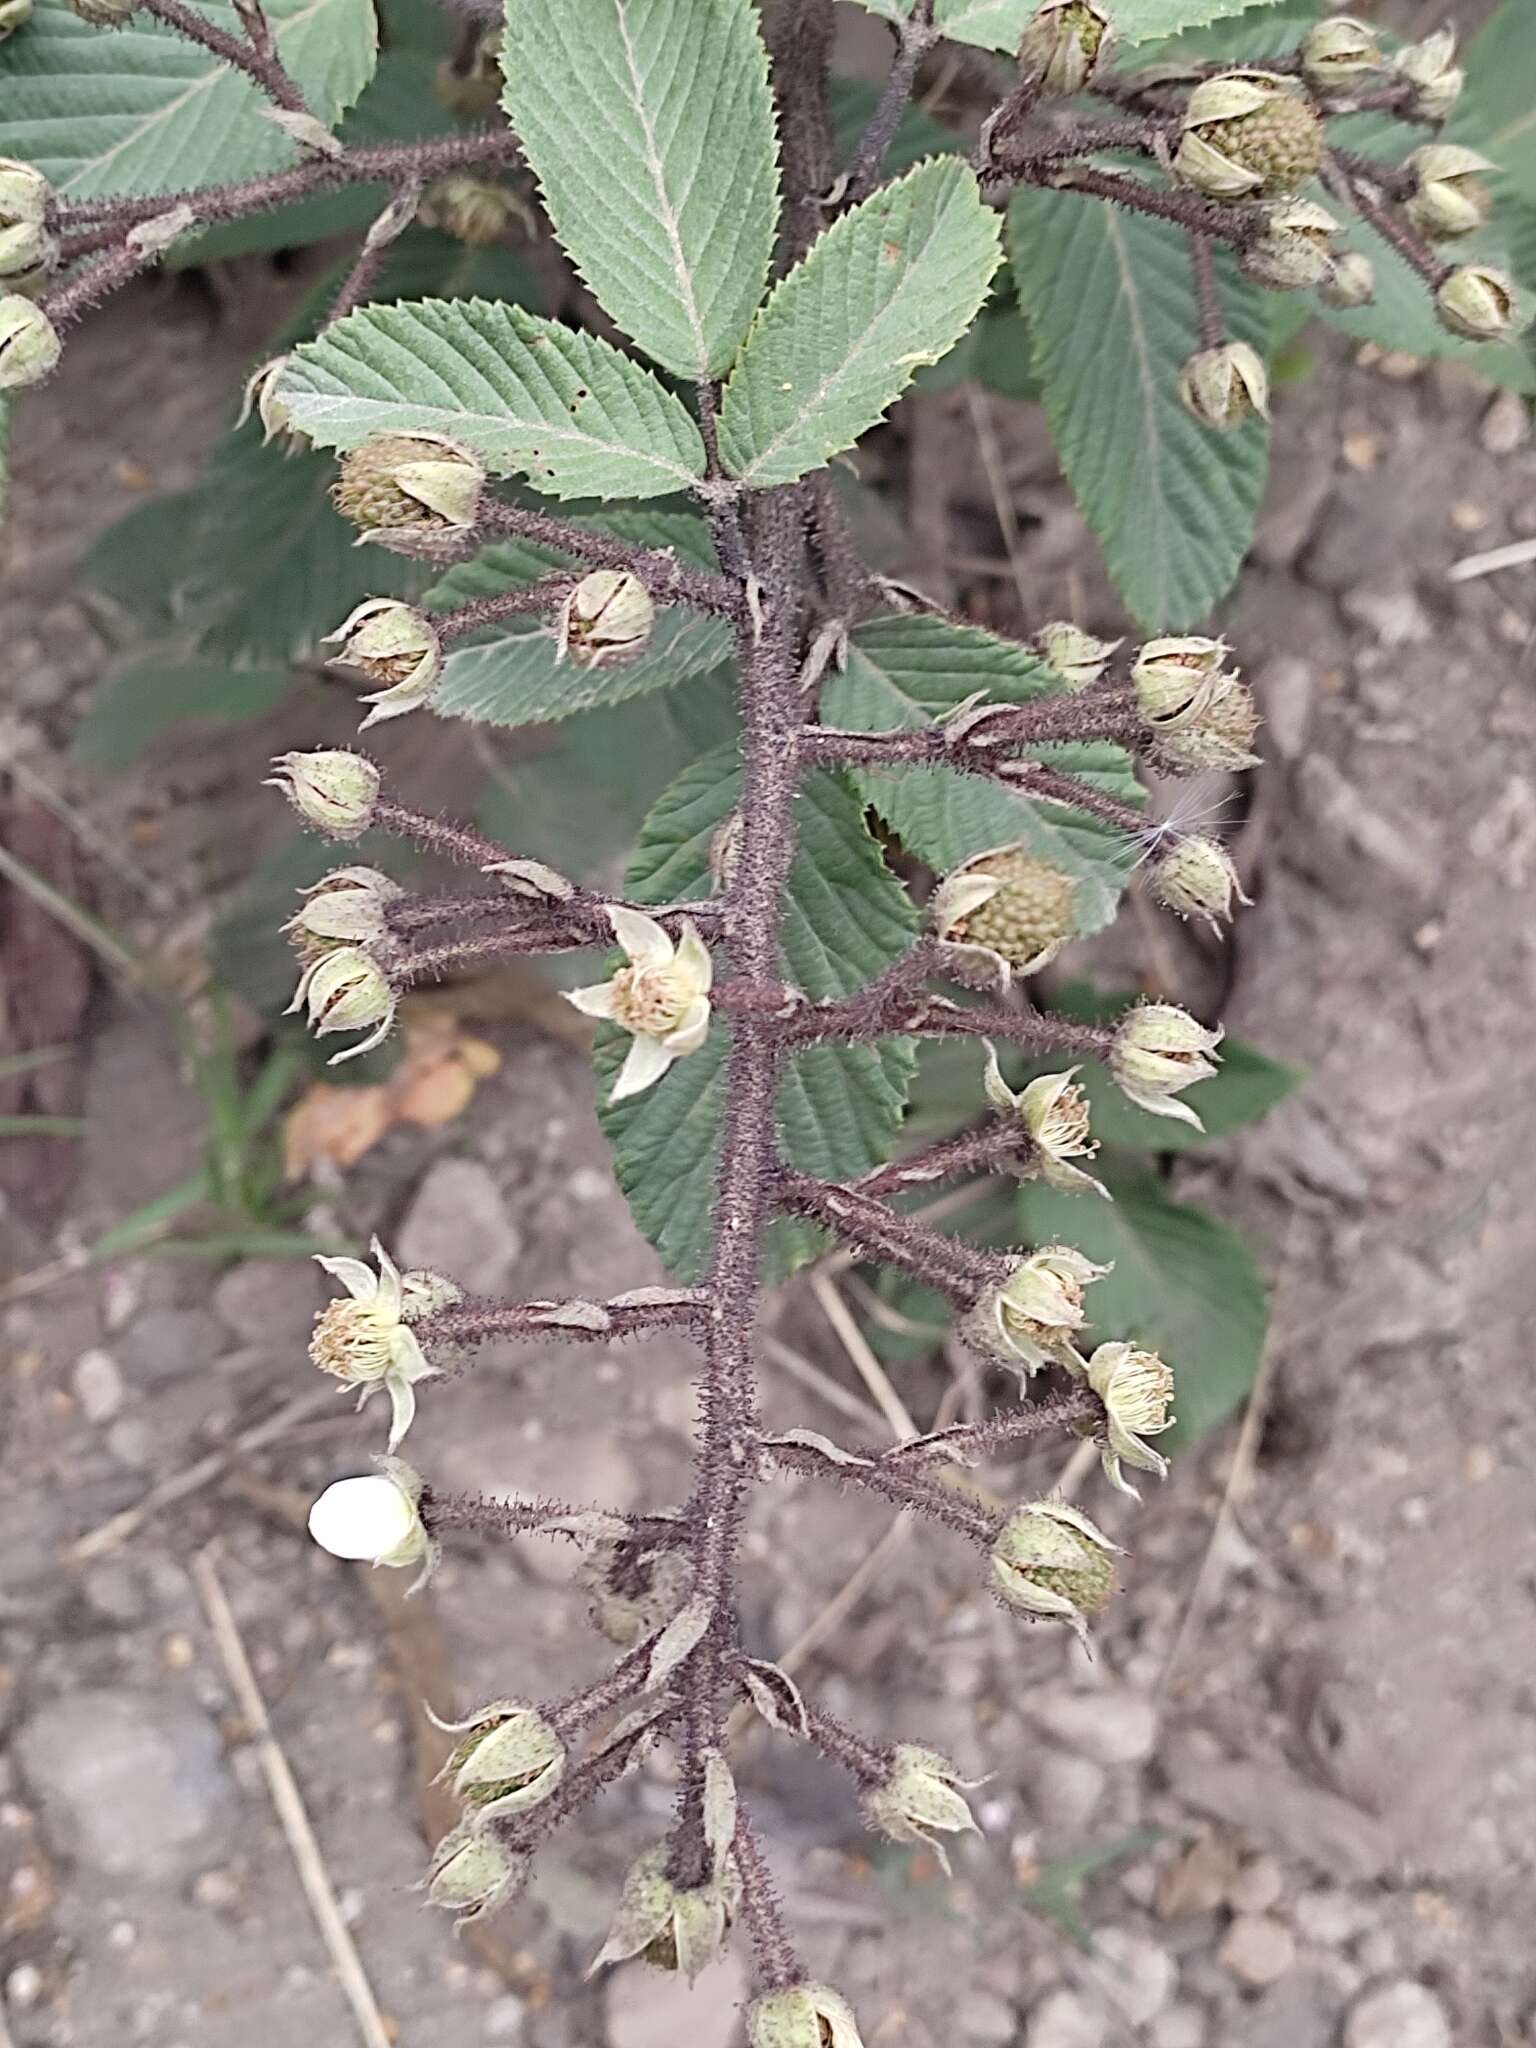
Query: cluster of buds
<point>919,1798</point>
<point>1054,1113</point>
<point>1201,714</point>
<point>510,1761</point>
<point>27,251</point>
<point>1032,1318</point>
<point>1063,46</point>
<point>1005,911</point>
<point>407,488</point>
<point>608,618</point>
<point>669,1925</point>
<point>1077,657</point>
<point>394,645</point>
<point>1050,1561</point>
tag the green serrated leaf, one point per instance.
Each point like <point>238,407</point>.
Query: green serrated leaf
<point>135,707</point>
<point>1497,110</point>
<point>534,398</point>
<point>1183,1284</point>
<point>1109,299</point>
<point>579,804</point>
<point>890,286</point>
<point>998,24</point>
<point>1260,31</point>
<point>905,672</point>
<point>649,125</point>
<point>846,917</point>
<point>143,110</point>
<point>510,676</point>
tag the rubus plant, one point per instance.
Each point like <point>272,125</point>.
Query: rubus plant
<point>751,300</point>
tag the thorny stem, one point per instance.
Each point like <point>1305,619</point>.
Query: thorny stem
<point>262,66</point>
<point>1212,327</point>
<point>915,38</point>
<point>1424,260</point>
<point>775,1964</point>
<point>576,1321</point>
<point>667,578</point>
<point>360,279</point>
<point>957,1270</point>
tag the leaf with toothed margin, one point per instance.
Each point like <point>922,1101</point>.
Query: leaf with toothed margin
<point>890,286</point>
<point>998,24</point>
<point>141,109</point>
<point>1110,303</point>
<point>649,125</point>
<point>846,917</point>
<point>530,396</point>
<point>907,672</point>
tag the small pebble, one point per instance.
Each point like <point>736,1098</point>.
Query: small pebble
<point>1181,2026</point>
<point>24,1986</point>
<point>504,2019</point>
<point>1400,2015</point>
<point>1257,1886</point>
<point>1258,1950</point>
<point>98,1386</point>
<point>1063,2020</point>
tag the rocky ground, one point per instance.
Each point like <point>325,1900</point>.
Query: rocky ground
<point>1303,1755</point>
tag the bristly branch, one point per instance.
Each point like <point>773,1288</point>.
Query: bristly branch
<point>600,1322</point>
<point>915,37</point>
<point>256,57</point>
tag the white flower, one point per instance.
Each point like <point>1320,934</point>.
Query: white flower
<point>374,1520</point>
<point>1136,1388</point>
<point>365,1341</point>
<point>662,997</point>
<point>1054,1112</point>
<point>1032,1318</point>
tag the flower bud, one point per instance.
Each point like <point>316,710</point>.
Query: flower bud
<point>919,1800</point>
<point>344,908</point>
<point>263,397</point>
<point>1351,283</point>
<point>673,1927</point>
<point>803,2016</point>
<point>27,253</point>
<point>472,1872</point>
<point>1248,135</point>
<point>373,1520</point>
<point>347,990</point>
<point>1450,198</point>
<point>1172,677</point>
<point>330,788</point>
<point>1136,1388</point>
<point>1158,1051</point>
<point>1217,733</point>
<point>1339,53</point>
<point>1050,1560</point>
<point>1477,302</point>
<point>1063,46</point>
<point>1196,878</point>
<point>1431,69</point>
<point>1224,386</point>
<point>24,194</point>
<point>510,1761</point>
<point>29,346</point>
<point>470,209</point>
<point>395,646</point>
<point>606,619</point>
<point>1054,1113</point>
<point>472,89</point>
<point>1293,254</point>
<point>1077,657</point>
<point>420,482</point>
<point>1006,903</point>
<point>14,14</point>
<point>104,13</point>
<point>1030,1319</point>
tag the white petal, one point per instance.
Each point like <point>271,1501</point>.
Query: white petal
<point>596,1001</point>
<point>642,938</point>
<point>648,1060</point>
<point>375,1037</point>
<point>359,1282</point>
<point>693,957</point>
<point>407,1357</point>
<point>693,1030</point>
<point>1163,1105</point>
<point>402,1406</point>
<point>361,1518</point>
<point>390,1292</point>
<point>996,1089</point>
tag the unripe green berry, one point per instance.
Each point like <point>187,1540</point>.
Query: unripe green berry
<point>1063,46</point>
<point>1026,915</point>
<point>1224,386</point>
<point>29,344</point>
<point>396,481</point>
<point>1477,301</point>
<point>1248,135</point>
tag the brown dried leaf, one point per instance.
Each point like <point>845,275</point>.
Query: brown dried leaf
<point>434,1083</point>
